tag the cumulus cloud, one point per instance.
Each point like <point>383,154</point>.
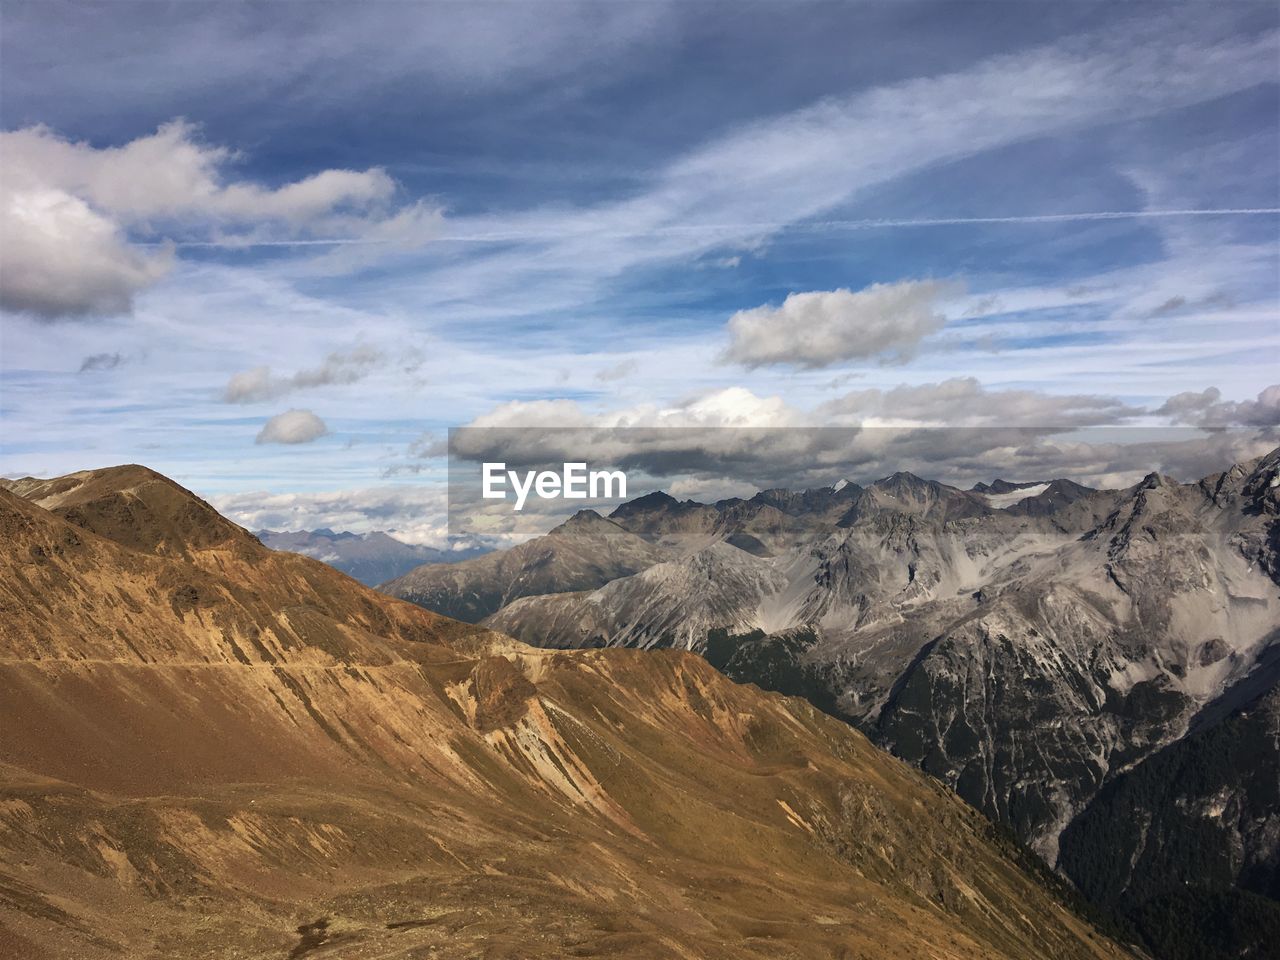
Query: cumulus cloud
<point>821,328</point>
<point>61,258</point>
<point>1207,409</point>
<point>339,367</point>
<point>71,210</point>
<point>292,426</point>
<point>173,173</point>
<point>101,361</point>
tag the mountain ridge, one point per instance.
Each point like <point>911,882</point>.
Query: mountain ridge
<point>1026,655</point>
<point>225,750</point>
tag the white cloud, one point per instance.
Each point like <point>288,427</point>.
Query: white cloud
<point>413,514</point>
<point>1207,409</point>
<point>730,407</point>
<point>964,402</point>
<point>70,210</point>
<point>951,430</point>
<point>60,258</point>
<point>249,386</point>
<point>822,328</point>
<point>957,403</point>
<point>171,174</point>
<point>258,383</point>
<point>292,426</point>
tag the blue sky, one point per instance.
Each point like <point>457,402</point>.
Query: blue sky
<point>381,220</point>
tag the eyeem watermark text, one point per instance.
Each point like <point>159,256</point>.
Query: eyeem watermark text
<point>573,482</point>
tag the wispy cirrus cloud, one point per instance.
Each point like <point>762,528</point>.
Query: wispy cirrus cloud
<point>752,185</point>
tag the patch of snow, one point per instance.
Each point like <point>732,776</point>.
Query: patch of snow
<point>1001,501</point>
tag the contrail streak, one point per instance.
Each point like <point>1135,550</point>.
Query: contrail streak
<point>1054,217</point>
<point>808,226</point>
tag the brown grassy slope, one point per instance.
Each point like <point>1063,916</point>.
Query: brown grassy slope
<point>221,751</point>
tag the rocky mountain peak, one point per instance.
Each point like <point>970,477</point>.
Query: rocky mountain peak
<point>587,523</point>
<point>138,508</point>
<point>903,480</point>
<point>586,518</point>
<point>658,500</point>
<point>1156,480</point>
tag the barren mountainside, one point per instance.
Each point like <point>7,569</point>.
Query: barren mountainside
<point>214,750</point>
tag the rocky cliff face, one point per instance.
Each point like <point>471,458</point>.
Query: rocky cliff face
<point>1100,654</point>
<point>213,749</point>
<point>1026,644</point>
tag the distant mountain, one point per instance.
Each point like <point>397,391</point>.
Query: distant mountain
<point>371,558</point>
<point>662,518</point>
<point>214,749</point>
<point>1027,643</point>
<point>584,552</point>
<point>907,493</point>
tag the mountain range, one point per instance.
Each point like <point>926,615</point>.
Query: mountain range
<point>1056,654</point>
<point>212,749</point>
<point>372,558</point>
